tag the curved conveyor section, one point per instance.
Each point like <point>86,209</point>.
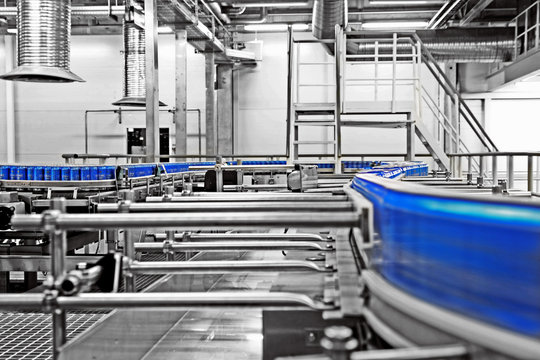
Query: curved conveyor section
<point>476,257</point>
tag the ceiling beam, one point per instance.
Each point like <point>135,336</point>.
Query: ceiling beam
<point>474,12</point>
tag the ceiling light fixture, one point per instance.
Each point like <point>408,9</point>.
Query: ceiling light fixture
<point>165,30</point>
<point>406,2</point>
<point>271,4</point>
<point>275,27</point>
<point>383,25</point>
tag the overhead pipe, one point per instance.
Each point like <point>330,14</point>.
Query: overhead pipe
<point>465,45</point>
<point>260,19</point>
<point>215,9</point>
<point>95,10</point>
<point>43,39</point>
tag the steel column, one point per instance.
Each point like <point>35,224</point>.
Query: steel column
<point>290,65</point>
<point>152,80</point>
<point>224,109</point>
<point>410,138</point>
<point>510,172</point>
<point>494,170</point>
<point>58,250</point>
<point>530,173</point>
<point>180,115</point>
<point>9,44</point>
<point>211,118</point>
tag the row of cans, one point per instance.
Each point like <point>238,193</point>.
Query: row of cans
<point>56,173</point>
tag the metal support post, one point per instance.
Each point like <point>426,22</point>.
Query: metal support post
<point>494,170</point>
<point>9,43</point>
<point>219,178</point>
<point>510,171</point>
<point>180,115</point>
<point>530,173</point>
<point>340,54</point>
<point>410,138</point>
<point>290,47</point>
<point>225,119</point>
<point>129,249</point>
<point>152,80</point>
<point>58,253</point>
<point>480,179</point>
<point>211,118</point>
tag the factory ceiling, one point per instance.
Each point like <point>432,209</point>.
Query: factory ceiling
<point>231,16</point>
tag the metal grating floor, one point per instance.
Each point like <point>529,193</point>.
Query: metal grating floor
<point>27,335</point>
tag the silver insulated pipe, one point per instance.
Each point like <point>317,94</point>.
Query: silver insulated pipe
<point>463,45</point>
<point>326,15</point>
<point>134,89</point>
<point>43,42</point>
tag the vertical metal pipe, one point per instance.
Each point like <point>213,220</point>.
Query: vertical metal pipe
<point>219,178</point>
<point>537,26</point>
<point>410,138</point>
<point>494,170</point>
<point>290,64</point>
<point>58,250</point>
<point>210,71</point>
<point>394,69</point>
<point>530,173</point>
<point>129,248</point>
<point>9,43</point>
<point>538,174</point>
<point>510,172</point>
<point>152,80</point>
<point>180,115</point>
<point>340,55</point>
<point>481,171</point>
<point>457,123</point>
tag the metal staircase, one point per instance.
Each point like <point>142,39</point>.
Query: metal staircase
<point>381,75</point>
<point>323,117</point>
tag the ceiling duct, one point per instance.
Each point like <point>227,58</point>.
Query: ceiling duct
<point>465,45</point>
<point>134,90</point>
<point>326,15</point>
<point>43,42</point>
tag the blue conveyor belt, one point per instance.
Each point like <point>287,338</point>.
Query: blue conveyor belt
<point>477,257</point>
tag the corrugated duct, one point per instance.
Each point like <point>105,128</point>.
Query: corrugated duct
<point>134,87</point>
<point>43,42</point>
<point>326,15</point>
<point>464,45</point>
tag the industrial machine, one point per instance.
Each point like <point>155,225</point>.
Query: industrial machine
<point>389,263</point>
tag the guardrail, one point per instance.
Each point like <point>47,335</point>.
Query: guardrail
<point>509,174</point>
<point>527,30</point>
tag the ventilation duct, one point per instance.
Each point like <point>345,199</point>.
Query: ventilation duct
<point>467,45</point>
<point>134,90</point>
<point>326,15</point>
<point>43,41</point>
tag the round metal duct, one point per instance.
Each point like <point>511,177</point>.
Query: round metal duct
<point>134,91</point>
<point>43,42</point>
<point>326,15</point>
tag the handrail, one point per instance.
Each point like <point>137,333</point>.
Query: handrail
<point>452,91</point>
<point>498,153</point>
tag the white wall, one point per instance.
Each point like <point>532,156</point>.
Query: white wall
<point>50,117</point>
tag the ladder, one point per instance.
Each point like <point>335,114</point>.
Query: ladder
<point>319,120</point>
<point>404,79</point>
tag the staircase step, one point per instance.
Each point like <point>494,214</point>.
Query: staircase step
<point>314,123</point>
<point>314,142</point>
